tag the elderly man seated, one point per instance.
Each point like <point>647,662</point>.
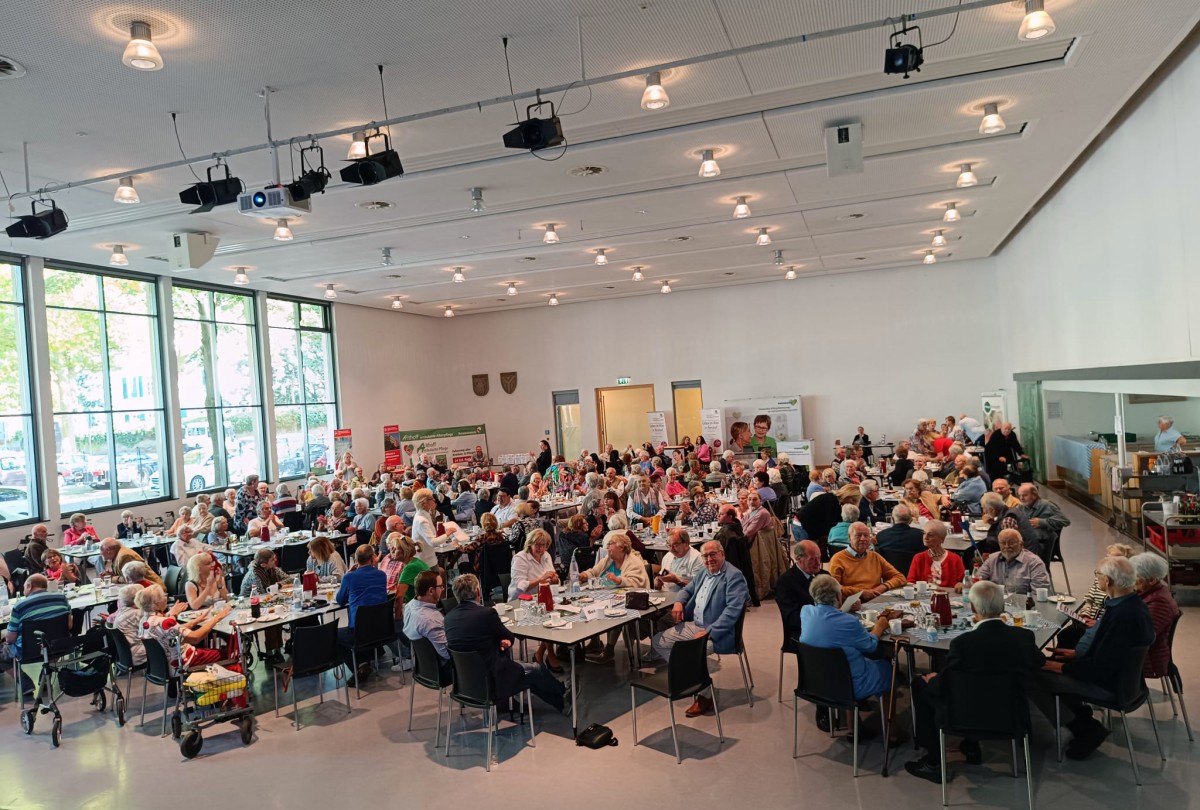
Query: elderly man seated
<point>39,604</point>
<point>858,568</point>
<point>1014,567</point>
<point>871,508</point>
<point>1000,487</point>
<point>991,648</point>
<point>901,537</point>
<point>1047,520</point>
<point>114,556</point>
<point>710,604</point>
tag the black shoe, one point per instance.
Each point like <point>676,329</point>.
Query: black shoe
<point>1087,741</point>
<point>823,720</point>
<point>925,768</point>
<point>970,749</point>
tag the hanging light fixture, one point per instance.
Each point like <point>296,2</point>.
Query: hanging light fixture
<point>1037,22</point>
<point>654,97</point>
<point>477,206</point>
<point>790,275</point>
<point>551,235</point>
<point>708,164</point>
<point>358,146</point>
<point>929,258</point>
<point>459,277</point>
<point>966,177</point>
<point>330,292</point>
<point>241,277</point>
<point>118,258</point>
<point>601,256</point>
<point>397,303</point>
<point>951,214</point>
<point>385,257</point>
<point>779,258</point>
<point>991,122</point>
<point>741,210</point>
<point>449,313</point>
<point>140,53</point>
<point>282,232</point>
<point>763,239</point>
<point>939,239</point>
<point>512,288</point>
<point>126,193</point>
<point>637,273</point>
<point>553,299</point>
<point>666,288</point>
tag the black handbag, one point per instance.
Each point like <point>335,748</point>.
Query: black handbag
<point>637,600</point>
<point>596,736</point>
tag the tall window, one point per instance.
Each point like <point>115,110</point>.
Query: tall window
<point>106,381</point>
<point>18,463</point>
<point>216,341</point>
<point>303,380</point>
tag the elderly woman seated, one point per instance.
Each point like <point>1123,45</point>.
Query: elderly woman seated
<point>152,602</point>
<point>531,569</point>
<point>839,535</point>
<point>323,558</point>
<point>264,572</point>
<point>64,573</point>
<point>125,620</point>
<point>136,572</point>
<point>622,568</point>
<point>205,583</point>
<point>1150,570</point>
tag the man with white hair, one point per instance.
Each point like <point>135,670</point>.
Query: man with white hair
<point>901,537</point>
<point>1002,449</point>
<point>1015,567</point>
<point>991,648</point>
<point>1168,439</point>
<point>871,509</point>
<point>1000,487</point>
<point>1045,517</point>
<point>1095,673</point>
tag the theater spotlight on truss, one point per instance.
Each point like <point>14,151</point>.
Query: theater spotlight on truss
<point>536,133</point>
<point>904,57</point>
<point>208,195</point>
<point>374,168</point>
<point>39,224</point>
<point>313,174</point>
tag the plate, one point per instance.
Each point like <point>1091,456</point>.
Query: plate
<point>1062,598</point>
<point>553,623</point>
<point>505,620</point>
<point>245,621</point>
<point>614,612</point>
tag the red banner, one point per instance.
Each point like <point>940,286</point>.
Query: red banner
<point>391,446</point>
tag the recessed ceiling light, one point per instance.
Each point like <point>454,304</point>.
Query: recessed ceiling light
<point>126,193</point>
<point>459,276</point>
<point>118,258</point>
<point>449,311</point>
<point>763,239</point>
<point>1037,22</point>
<point>637,273</point>
<point>929,258</point>
<point>330,292</point>
<point>939,239</point>
<point>741,209</point>
<point>140,53</point>
<point>465,236</point>
<point>666,287</point>
<point>991,123</point>
<point>282,232</point>
<point>11,68</point>
<point>601,256</point>
<point>654,97</point>
<point>397,302</point>
<point>512,289</point>
<point>241,276</point>
<point>951,214</point>
<point>550,237</point>
<point>374,205</point>
<point>790,275</point>
<point>641,211</point>
<point>708,164</point>
<point>966,177</point>
<point>553,299</point>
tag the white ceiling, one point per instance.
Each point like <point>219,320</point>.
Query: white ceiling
<point>86,115</point>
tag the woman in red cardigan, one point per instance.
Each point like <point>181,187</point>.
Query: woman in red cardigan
<point>1151,570</point>
<point>935,565</point>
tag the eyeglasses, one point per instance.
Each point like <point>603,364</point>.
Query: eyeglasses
<point>712,554</point>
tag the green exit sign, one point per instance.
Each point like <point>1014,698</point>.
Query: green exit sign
<point>623,381</point>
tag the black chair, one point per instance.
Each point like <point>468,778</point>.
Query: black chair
<point>790,646</point>
<point>1171,681</point>
<point>686,676</point>
<point>123,657</point>
<point>900,560</point>
<point>743,658</point>
<point>495,563</point>
<point>314,652</point>
<point>473,687</point>
<point>19,568</point>
<point>173,580</point>
<point>293,520</point>
<point>293,558</point>
<point>1130,696</point>
<point>56,633</point>
<point>1003,716</point>
<point>824,680</point>
<point>374,628</point>
<point>428,672</point>
<point>235,582</point>
<point>1052,553</point>
<point>157,672</point>
<point>585,557</point>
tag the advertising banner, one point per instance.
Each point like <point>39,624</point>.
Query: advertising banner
<point>710,428</point>
<point>341,444</point>
<point>771,422</point>
<point>995,410</point>
<point>658,427</point>
<point>391,446</point>
<point>446,447</point>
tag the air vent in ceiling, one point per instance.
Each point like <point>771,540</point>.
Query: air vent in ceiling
<point>374,205</point>
<point>158,258</point>
<point>587,171</point>
<point>11,68</point>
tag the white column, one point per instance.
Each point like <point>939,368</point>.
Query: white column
<point>173,420</point>
<point>41,393</point>
<point>271,454</point>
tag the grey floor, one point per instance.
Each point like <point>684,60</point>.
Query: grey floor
<point>369,756</point>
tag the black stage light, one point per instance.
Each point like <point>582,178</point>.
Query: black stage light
<point>39,224</point>
<point>312,179</point>
<point>904,57</point>
<point>374,168</point>
<point>207,196</point>
<point>536,133</point>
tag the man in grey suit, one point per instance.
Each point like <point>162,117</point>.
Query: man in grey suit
<point>711,604</point>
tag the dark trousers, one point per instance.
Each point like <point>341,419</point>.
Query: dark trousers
<point>1073,695</point>
<point>345,643</point>
<point>541,682</point>
<point>924,706</point>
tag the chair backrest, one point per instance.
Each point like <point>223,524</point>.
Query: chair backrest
<point>900,560</point>
<point>158,669</point>
<point>1130,685</point>
<point>448,604</point>
<point>585,558</point>
<point>314,648</point>
<point>55,633</point>
<point>789,644</point>
<point>985,704</point>
<point>19,568</point>
<point>374,625</point>
<point>687,668</point>
<point>427,669</point>
<point>472,681</point>
<point>171,583</point>
<point>293,558</point>
<point>120,649</point>
<point>824,676</point>
<point>293,520</point>
<point>235,582</point>
<point>737,631</point>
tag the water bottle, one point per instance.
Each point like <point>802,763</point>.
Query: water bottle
<point>574,575</point>
<point>931,629</point>
<point>297,593</point>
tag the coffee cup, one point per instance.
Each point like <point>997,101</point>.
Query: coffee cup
<point>1043,594</point>
<point>909,592</point>
<point>870,616</point>
<point>272,589</point>
<point>922,588</point>
<point>896,626</point>
<point>501,608</point>
<point>520,614</point>
<point>1032,617</point>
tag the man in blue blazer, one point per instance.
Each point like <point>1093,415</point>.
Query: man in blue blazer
<point>711,605</point>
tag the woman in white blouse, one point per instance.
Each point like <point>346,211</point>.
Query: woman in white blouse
<point>424,529</point>
<point>531,569</point>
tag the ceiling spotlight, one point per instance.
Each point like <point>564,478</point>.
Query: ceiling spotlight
<point>358,146</point>
<point>211,193</point>
<point>654,97</point>
<point>708,164</point>
<point>282,232</point>
<point>637,273</point>
<point>385,257</point>
<point>939,239</point>
<point>790,275</point>
<point>397,303</point>
<point>992,122</point>
<point>779,258</point>
<point>512,288</point>
<point>140,53</point>
<point>449,313</point>
<point>763,239</point>
<point>553,299</point>
<point>126,193</point>
<point>966,177</point>
<point>242,276</point>
<point>741,210</point>
<point>951,214</point>
<point>1037,22</point>
<point>39,224</point>
<point>551,235</point>
<point>459,277</point>
<point>666,287</point>
<point>904,57</point>
<point>374,167</point>
<point>477,205</point>
<point>929,258</point>
<point>118,258</point>
<point>602,256</point>
<point>330,292</point>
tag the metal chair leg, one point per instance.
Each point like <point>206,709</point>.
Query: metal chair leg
<point>1166,688</point>
<point>1154,725</point>
<point>143,720</point>
<point>746,658</point>
<point>855,741</point>
<point>1058,726</point>
<point>674,736</point>
<point>712,690</point>
<point>795,725</point>
<point>942,752</point>
<point>633,705</point>
<point>746,681</point>
<point>166,693</point>
<point>1016,773</point>
<point>1028,772</point>
<point>487,719</point>
<point>295,707</point>
<point>1183,708</point>
<point>1137,776</point>
<point>532,741</point>
<point>412,696</point>
<point>437,735</point>
<point>354,673</point>
<point>275,688</point>
<point>781,676</point>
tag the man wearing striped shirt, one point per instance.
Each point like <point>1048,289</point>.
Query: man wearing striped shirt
<point>37,605</point>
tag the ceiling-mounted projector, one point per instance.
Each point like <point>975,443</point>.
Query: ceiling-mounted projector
<point>275,202</point>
